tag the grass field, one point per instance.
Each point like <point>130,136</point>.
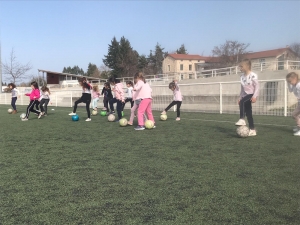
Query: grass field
<point>195,171</point>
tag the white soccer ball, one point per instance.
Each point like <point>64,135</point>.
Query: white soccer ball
<point>94,112</point>
<point>242,131</point>
<point>9,111</point>
<point>111,118</point>
<point>22,116</point>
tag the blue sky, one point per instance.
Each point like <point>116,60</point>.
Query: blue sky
<point>54,34</point>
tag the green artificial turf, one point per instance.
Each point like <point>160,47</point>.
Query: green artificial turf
<point>195,171</point>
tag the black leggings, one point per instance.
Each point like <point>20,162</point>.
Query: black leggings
<point>86,98</point>
<point>119,106</point>
<point>178,103</point>
<point>105,102</point>
<point>13,102</point>
<point>31,109</point>
<point>128,100</point>
<point>246,110</point>
<point>42,102</point>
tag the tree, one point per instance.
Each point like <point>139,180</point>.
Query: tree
<point>74,70</point>
<point>296,48</point>
<point>112,58</point>
<point>41,81</point>
<point>92,70</point>
<point>155,60</point>
<point>230,53</point>
<point>181,50</point>
<point>142,63</point>
<point>104,72</point>
<point>14,69</point>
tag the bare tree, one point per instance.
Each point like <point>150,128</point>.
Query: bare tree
<point>296,48</point>
<point>14,69</point>
<point>230,53</point>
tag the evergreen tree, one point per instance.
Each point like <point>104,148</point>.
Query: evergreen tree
<point>181,50</point>
<point>111,60</point>
<point>92,70</point>
<point>142,63</point>
<point>75,70</point>
<point>156,59</point>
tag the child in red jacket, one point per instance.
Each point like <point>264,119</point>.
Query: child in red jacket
<point>34,97</point>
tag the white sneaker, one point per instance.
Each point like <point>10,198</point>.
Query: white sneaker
<point>241,122</point>
<point>295,129</point>
<point>252,133</point>
<point>24,119</point>
<point>72,114</point>
<point>297,133</point>
<point>163,112</point>
<point>40,115</point>
<point>88,119</point>
<point>178,118</point>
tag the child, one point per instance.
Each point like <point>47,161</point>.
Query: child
<point>143,99</point>
<point>294,86</point>
<point>129,91</point>
<point>95,96</point>
<point>86,98</point>
<point>34,96</point>
<point>44,99</point>
<point>248,95</point>
<point>37,103</point>
<point>177,99</point>
<point>119,97</point>
<point>14,96</point>
<point>106,92</point>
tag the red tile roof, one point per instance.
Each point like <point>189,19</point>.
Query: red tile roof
<point>265,54</point>
<point>187,57</point>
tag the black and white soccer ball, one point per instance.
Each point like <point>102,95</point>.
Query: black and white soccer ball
<point>242,131</point>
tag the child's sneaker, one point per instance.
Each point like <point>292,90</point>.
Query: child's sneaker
<point>140,128</point>
<point>252,133</point>
<point>163,112</point>
<point>24,119</point>
<point>40,115</point>
<point>297,133</point>
<point>295,129</point>
<point>241,122</point>
<point>178,118</point>
<point>104,109</point>
<point>130,124</point>
<point>72,114</point>
<point>88,119</point>
<point>112,112</point>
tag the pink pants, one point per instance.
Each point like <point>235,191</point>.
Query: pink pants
<point>134,107</point>
<point>296,115</point>
<point>145,106</point>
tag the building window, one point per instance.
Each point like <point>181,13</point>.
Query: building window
<point>181,66</point>
<point>181,76</point>
<point>169,68</point>
<point>191,76</point>
<point>190,67</point>
<point>262,61</point>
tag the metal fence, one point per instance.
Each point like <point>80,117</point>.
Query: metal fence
<point>222,97</point>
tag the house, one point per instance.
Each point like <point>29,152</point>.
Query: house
<point>64,79</point>
<point>188,66</point>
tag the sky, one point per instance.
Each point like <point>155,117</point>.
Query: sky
<point>52,35</point>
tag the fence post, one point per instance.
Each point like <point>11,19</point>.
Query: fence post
<point>71,98</point>
<point>236,69</point>
<point>221,99</point>
<point>285,98</point>
<point>287,64</point>
<point>56,99</point>
<point>261,67</point>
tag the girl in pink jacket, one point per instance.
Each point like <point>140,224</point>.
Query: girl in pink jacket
<point>119,97</point>
<point>143,99</point>
<point>34,97</point>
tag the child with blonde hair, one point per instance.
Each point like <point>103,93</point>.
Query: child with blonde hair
<point>294,86</point>
<point>177,100</point>
<point>95,97</point>
<point>143,99</point>
<point>248,95</point>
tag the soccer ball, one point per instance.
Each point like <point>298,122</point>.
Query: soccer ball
<point>9,111</point>
<point>163,117</point>
<point>242,131</point>
<point>103,113</point>
<point>94,112</point>
<point>111,118</point>
<point>22,116</point>
<point>75,118</point>
<point>149,124</point>
<point>123,122</point>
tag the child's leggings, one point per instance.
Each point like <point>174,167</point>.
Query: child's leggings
<point>296,115</point>
<point>86,98</point>
<point>95,102</point>
<point>31,109</point>
<point>145,106</point>
<point>119,106</point>
<point>178,103</point>
<point>13,102</point>
<point>246,110</point>
<point>44,102</point>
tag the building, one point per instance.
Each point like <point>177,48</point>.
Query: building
<point>64,79</point>
<point>188,66</point>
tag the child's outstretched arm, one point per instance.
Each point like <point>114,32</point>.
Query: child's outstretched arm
<point>256,90</point>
